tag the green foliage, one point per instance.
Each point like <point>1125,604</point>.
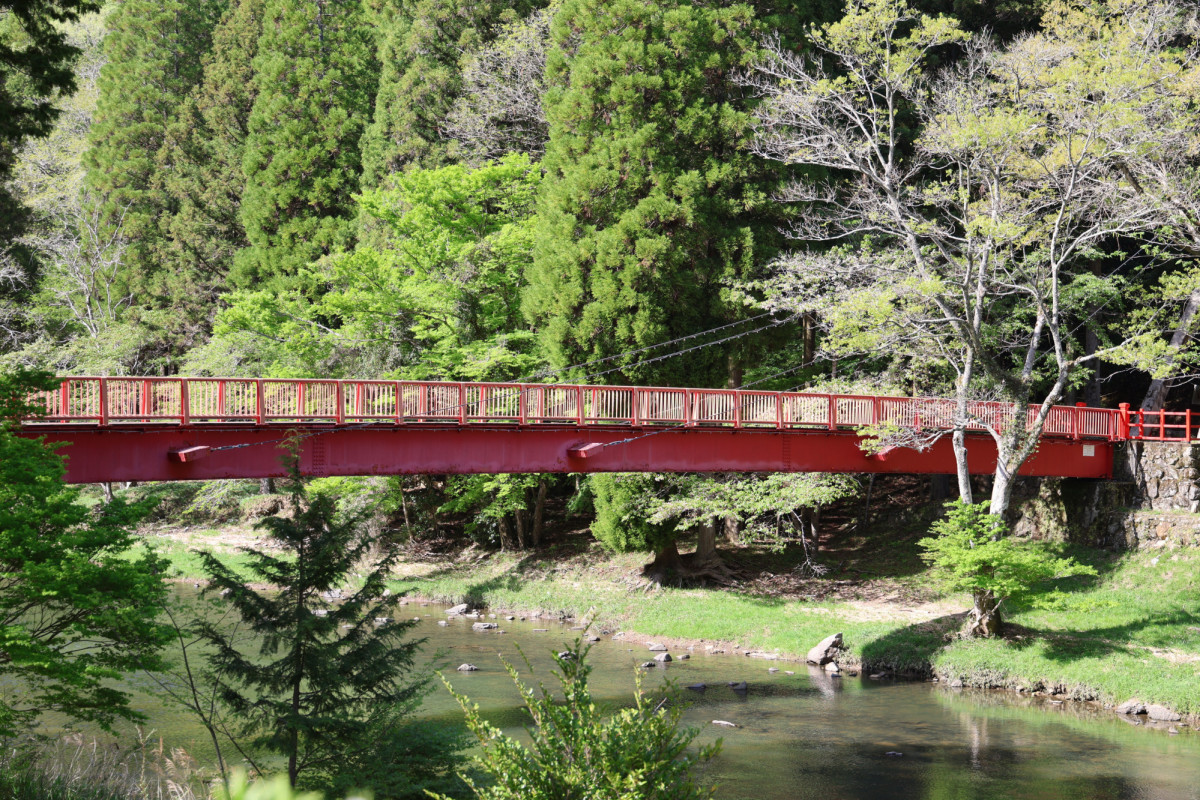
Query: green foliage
<point>153,52</point>
<point>760,502</point>
<point>421,77</point>
<point>651,203</point>
<point>205,147</point>
<point>314,78</point>
<point>449,284</point>
<point>624,503</point>
<point>79,595</point>
<point>331,692</point>
<point>240,787</point>
<point>35,70</point>
<point>440,302</point>
<point>581,751</point>
<point>970,551</point>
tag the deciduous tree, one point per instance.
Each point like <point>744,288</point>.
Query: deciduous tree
<point>974,200</point>
<point>79,592</point>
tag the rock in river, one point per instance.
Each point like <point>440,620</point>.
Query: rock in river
<point>467,668</point>
<point>484,626</point>
<point>663,658</point>
<point>658,648</point>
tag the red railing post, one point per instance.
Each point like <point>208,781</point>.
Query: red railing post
<point>399,402</point>
<point>1187,426</point>
<point>145,405</point>
<point>1076,415</point>
<point>779,410</point>
<point>64,398</point>
<point>339,394</point>
<point>737,408</point>
<point>579,404</point>
<point>104,401</point>
<point>1123,433</point>
<point>832,412</point>
<point>300,404</point>
<point>260,403</point>
<point>220,398</point>
<point>184,405</point>
<point>521,403</point>
<point>462,403</point>
<point>634,397</point>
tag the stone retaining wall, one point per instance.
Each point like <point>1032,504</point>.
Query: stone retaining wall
<point>1153,500</point>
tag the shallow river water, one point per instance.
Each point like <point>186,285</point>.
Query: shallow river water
<point>810,736</point>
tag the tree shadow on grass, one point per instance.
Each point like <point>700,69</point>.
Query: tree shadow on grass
<point>910,651</point>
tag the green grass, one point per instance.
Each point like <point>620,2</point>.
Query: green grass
<point>183,554</point>
<point>1134,630</point>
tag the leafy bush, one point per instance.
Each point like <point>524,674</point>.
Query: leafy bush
<point>971,551</point>
<point>582,751</point>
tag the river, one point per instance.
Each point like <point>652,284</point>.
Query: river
<point>807,735</point>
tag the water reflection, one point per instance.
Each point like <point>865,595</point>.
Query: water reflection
<point>811,735</point>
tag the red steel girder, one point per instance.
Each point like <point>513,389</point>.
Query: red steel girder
<point>153,453</point>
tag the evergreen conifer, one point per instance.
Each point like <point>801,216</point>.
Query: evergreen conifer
<point>315,76</point>
<point>651,202</point>
<point>154,52</point>
<point>331,686</point>
<point>205,146</point>
<point>421,55</point>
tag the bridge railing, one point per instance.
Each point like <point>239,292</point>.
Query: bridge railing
<point>265,401</point>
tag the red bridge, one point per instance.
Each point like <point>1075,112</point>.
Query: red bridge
<point>156,429</point>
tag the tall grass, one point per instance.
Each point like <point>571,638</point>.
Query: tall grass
<point>75,768</point>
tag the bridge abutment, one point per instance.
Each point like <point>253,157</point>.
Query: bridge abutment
<point>1153,501</point>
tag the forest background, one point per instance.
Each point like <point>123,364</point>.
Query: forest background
<point>449,190</point>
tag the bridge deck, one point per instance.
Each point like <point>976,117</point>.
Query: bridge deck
<point>193,428</point>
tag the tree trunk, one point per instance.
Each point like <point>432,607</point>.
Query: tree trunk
<point>985,615</point>
<point>810,337</point>
<point>107,488</point>
<point>1156,395</point>
<point>266,486</point>
<point>1003,482</point>
<point>864,519</point>
<point>732,529</point>
<point>706,542</point>
<point>519,515</point>
<point>666,561</point>
<point>1091,392</point>
<point>539,513</point>
<point>959,438</point>
<point>505,533</point>
<point>404,510</point>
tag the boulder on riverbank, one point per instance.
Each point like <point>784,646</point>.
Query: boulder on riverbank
<point>1131,706</point>
<point>1161,713</point>
<point>826,651</point>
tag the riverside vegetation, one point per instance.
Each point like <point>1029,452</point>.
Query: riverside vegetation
<point>878,197</point>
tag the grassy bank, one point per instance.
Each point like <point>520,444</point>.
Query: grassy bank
<point>1134,630</point>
